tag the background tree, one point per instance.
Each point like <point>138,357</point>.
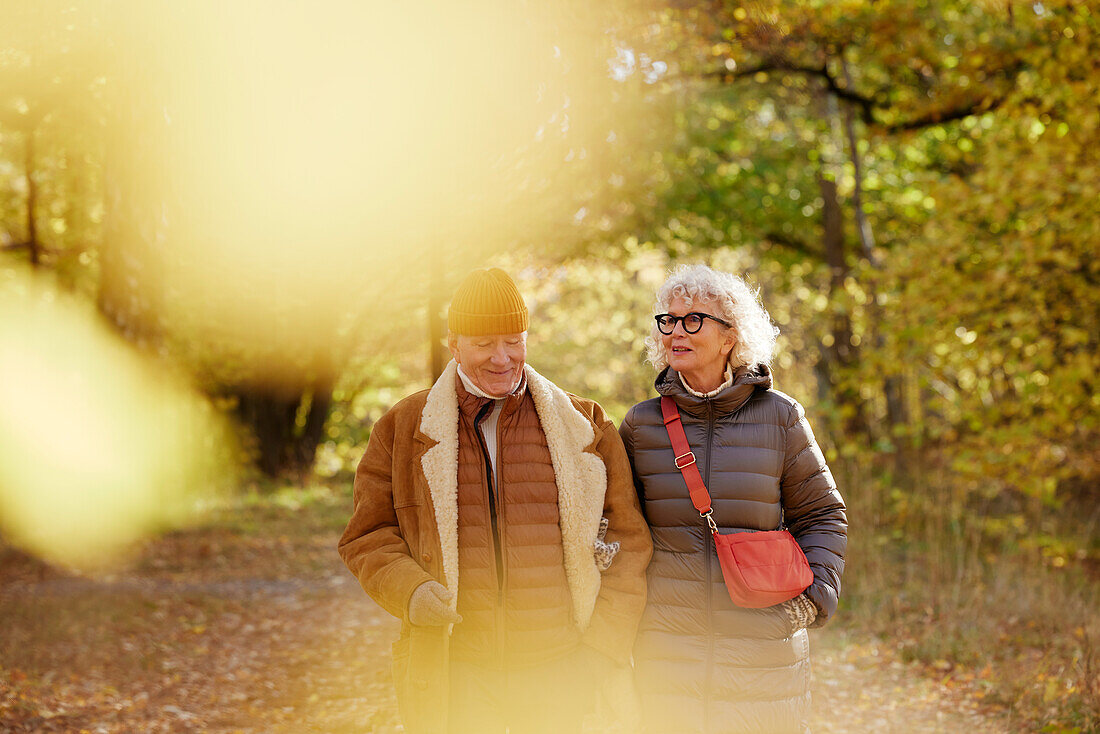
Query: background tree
<point>841,143</point>
<point>51,122</point>
<point>271,207</point>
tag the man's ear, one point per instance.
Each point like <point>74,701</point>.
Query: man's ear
<point>452,344</point>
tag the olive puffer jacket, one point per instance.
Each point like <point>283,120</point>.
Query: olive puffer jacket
<point>704,664</point>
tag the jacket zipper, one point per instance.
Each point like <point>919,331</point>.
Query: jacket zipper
<point>498,553</point>
<point>489,476</point>
<point>708,542</point>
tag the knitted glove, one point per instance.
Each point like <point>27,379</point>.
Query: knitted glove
<point>428,606</point>
<point>604,552</point>
<point>800,611</point>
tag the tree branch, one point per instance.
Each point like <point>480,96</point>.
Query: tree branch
<point>792,243</point>
<point>865,104</point>
<point>42,249</point>
<point>870,105</point>
<point>938,117</point>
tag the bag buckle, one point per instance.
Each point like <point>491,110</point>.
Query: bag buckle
<point>686,464</point>
<point>710,520</point>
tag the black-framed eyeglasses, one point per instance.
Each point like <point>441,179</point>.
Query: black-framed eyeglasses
<point>666,322</point>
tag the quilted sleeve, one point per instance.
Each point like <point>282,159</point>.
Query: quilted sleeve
<point>814,512</point>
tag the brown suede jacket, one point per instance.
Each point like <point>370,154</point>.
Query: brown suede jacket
<point>404,529</point>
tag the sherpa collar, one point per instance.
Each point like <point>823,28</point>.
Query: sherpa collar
<point>579,473</point>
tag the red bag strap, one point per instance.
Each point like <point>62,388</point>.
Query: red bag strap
<point>685,458</point>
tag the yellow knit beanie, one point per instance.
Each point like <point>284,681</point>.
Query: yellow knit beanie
<point>487,302</point>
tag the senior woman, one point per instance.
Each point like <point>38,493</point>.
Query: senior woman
<point>704,664</point>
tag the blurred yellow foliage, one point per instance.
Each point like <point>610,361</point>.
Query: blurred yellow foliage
<point>96,449</point>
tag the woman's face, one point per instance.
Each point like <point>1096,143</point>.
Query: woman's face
<point>699,357</point>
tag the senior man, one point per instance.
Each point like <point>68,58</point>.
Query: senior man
<point>495,515</point>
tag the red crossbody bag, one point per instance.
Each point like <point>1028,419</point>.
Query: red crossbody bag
<point>760,568</point>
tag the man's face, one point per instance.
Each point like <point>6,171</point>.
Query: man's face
<point>494,363</point>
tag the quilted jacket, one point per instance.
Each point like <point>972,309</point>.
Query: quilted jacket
<point>702,663</point>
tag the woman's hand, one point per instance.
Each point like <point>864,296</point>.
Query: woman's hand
<point>800,611</point>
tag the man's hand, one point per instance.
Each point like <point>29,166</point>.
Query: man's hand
<point>603,550</point>
<point>428,606</point>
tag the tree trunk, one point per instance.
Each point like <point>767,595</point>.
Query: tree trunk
<point>287,426</point>
<point>842,354</point>
<point>833,241</point>
<point>32,201</point>
<point>436,333</point>
<point>892,384</point>
<point>866,236</point>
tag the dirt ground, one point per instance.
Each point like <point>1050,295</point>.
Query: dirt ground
<point>258,627</point>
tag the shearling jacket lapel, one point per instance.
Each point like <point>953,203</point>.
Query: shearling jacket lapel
<point>579,473</point>
<point>581,478</point>
<point>439,423</point>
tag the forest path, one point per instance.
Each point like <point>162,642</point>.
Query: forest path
<point>252,624</point>
<point>297,655</point>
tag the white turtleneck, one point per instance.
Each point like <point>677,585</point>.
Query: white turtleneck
<point>715,391</point>
<point>489,425</point>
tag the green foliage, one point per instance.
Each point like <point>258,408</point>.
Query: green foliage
<point>967,336</point>
<point>964,413</point>
<point>589,320</point>
<point>1004,295</point>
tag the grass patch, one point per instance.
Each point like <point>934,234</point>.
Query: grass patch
<point>1017,632</point>
<point>279,509</point>
<point>264,532</point>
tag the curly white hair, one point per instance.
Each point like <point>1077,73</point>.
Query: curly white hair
<point>731,299</point>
